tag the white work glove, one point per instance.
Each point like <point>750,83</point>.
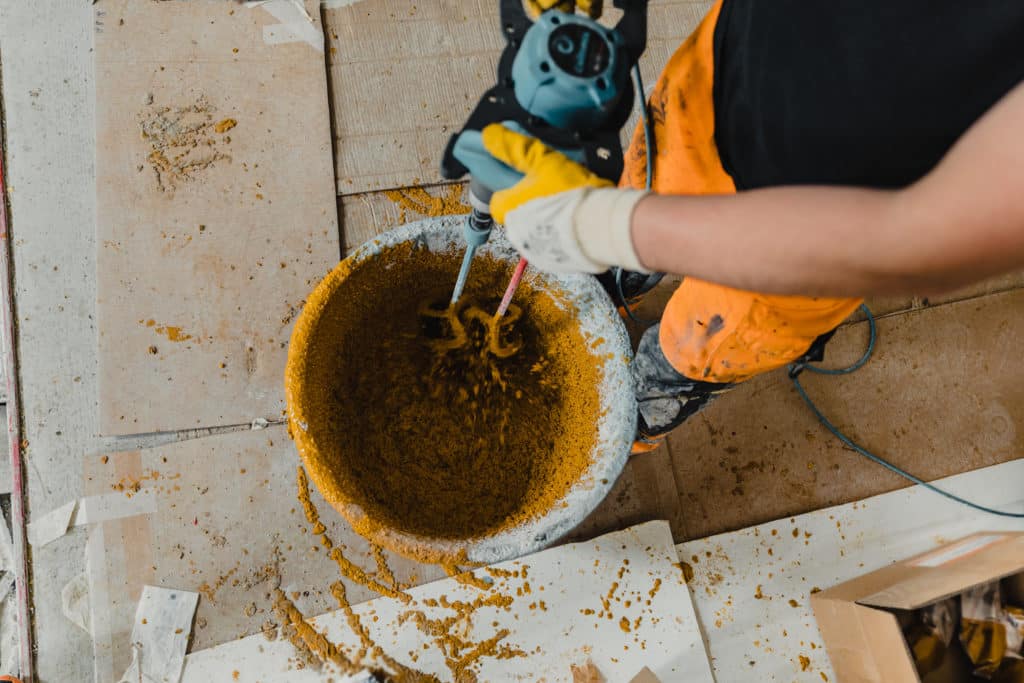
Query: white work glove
<point>585,230</point>
<point>560,216</point>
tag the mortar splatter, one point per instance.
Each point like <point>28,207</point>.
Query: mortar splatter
<point>183,141</point>
<point>418,201</point>
<point>461,654</point>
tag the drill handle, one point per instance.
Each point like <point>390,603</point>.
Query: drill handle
<point>514,20</point>
<point>488,172</point>
<point>485,171</point>
<point>633,27</point>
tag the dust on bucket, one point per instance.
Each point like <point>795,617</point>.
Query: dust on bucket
<point>456,456</point>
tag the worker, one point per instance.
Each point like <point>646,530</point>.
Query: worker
<point>805,155</point>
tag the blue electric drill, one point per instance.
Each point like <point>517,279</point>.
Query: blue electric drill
<point>564,79</point>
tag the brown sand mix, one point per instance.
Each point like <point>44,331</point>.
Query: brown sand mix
<point>447,441</point>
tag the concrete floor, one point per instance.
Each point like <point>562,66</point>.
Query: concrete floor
<point>943,394</point>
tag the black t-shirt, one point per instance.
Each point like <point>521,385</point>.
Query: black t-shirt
<point>856,92</point>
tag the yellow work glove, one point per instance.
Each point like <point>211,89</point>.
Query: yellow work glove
<point>591,8</point>
<point>560,216</point>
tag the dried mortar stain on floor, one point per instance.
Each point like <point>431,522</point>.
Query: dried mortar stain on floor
<point>183,141</point>
<point>171,332</point>
<point>210,591</point>
<point>453,445</point>
<point>132,485</point>
<point>419,201</point>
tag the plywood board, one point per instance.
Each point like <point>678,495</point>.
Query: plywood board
<point>940,396</point>
<point>227,523</point>
<point>215,209</point>
<point>618,601</point>
<point>405,77</point>
<point>752,587</point>
<point>49,136</point>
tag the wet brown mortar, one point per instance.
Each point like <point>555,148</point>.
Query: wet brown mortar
<point>440,446</point>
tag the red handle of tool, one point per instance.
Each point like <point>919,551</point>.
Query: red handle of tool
<point>511,289</point>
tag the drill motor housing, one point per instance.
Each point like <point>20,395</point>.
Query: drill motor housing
<point>570,71</point>
<point>565,80</point>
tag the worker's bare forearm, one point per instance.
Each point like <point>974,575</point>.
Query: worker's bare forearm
<point>780,240</point>
<point>962,222</point>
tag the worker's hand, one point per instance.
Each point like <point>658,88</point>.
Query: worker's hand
<point>560,216</point>
<point>591,8</point>
<point>546,171</point>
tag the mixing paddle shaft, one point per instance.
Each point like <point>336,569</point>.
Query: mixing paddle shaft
<point>476,231</point>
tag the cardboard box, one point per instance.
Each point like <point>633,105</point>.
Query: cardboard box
<point>859,619</point>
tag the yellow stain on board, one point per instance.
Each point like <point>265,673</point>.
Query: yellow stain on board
<point>418,201</point>
<point>172,332</point>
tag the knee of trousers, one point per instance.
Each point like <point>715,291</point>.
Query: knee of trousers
<point>666,397</point>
